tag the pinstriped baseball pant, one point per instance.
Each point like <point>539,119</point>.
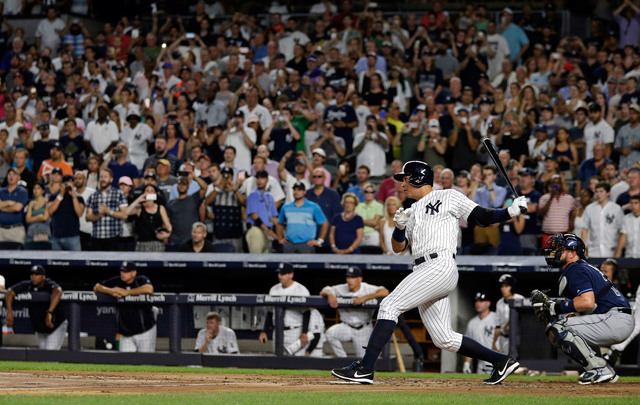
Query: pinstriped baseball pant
<point>428,288</point>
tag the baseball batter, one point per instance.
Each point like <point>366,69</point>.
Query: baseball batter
<point>500,342</point>
<point>296,321</point>
<point>431,228</point>
<point>594,313</point>
<point>355,323</point>
<point>216,338</point>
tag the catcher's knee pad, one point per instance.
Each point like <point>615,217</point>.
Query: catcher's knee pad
<point>573,345</point>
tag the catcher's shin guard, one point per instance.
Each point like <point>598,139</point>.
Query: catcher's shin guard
<point>573,345</point>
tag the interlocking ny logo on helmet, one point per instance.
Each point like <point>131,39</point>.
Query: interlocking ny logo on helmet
<point>420,174</point>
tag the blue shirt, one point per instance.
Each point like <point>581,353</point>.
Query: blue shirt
<point>580,277</point>
<point>355,189</point>
<point>516,38</point>
<point>19,195</point>
<point>588,169</point>
<point>301,222</point>
<point>261,203</point>
<point>127,169</point>
<point>346,231</point>
<point>329,201</point>
<point>194,187</point>
<point>483,197</point>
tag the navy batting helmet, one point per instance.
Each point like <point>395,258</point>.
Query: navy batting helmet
<point>420,174</point>
<point>509,280</point>
<point>559,242</point>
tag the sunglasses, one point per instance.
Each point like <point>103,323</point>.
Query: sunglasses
<point>318,177</point>
<point>369,192</point>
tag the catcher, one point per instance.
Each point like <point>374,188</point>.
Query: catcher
<point>594,313</point>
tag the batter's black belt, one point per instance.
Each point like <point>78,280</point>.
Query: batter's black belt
<point>431,256</point>
<point>623,310</point>
<point>359,326</point>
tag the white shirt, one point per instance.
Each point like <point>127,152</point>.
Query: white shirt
<point>362,112</point>
<point>351,316</point>
<point>243,152</point>
<point>598,133</point>
<point>631,228</point>
<point>372,154</point>
<point>320,8</point>
<point>482,331</point>
<point>86,226</point>
<point>261,111</point>
<point>49,32</point>
<point>500,48</point>
<point>79,124</point>
<point>225,341</point>
<point>13,131</point>
<point>603,225</point>
<point>617,189</point>
<point>288,186</point>
<point>123,111</point>
<point>273,187</point>
<point>286,43</point>
<point>292,316</point>
<point>137,140</point>
<point>100,136</point>
<point>434,223</point>
<point>54,134</point>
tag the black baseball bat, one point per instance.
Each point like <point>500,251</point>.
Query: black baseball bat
<point>496,160</point>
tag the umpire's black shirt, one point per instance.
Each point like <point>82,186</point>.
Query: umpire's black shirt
<point>132,319</point>
<point>38,310</point>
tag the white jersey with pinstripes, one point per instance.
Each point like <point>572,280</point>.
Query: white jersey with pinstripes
<point>434,223</point>
<point>292,316</point>
<point>352,316</point>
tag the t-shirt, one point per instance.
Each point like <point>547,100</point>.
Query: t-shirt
<point>64,222</point>
<point>182,215</point>
<point>20,195</point>
<point>301,222</point>
<point>126,169</point>
<point>38,310</point>
<point>132,319</point>
<point>346,231</point>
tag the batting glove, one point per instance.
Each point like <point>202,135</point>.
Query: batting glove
<point>402,217</point>
<point>519,206</point>
<point>466,368</point>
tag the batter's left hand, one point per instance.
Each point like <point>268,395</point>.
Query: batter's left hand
<point>518,207</point>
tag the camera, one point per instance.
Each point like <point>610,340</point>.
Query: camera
<point>118,151</point>
<point>225,175</point>
<point>202,123</point>
<point>369,128</point>
<point>183,173</point>
<point>68,187</point>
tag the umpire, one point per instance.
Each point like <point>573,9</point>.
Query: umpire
<point>47,318</point>
<point>136,322</point>
<point>594,313</point>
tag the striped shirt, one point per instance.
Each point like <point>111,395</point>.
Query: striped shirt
<point>557,218</point>
<point>301,222</point>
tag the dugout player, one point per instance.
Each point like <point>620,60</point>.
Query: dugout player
<point>301,337</point>
<point>47,318</point>
<point>216,338</point>
<point>508,284</point>
<point>136,322</point>
<point>594,313</point>
<point>355,325</point>
<point>480,328</point>
<point>431,228</point>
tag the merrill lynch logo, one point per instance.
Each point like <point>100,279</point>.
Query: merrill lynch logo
<point>211,298</point>
<point>434,208</point>
<point>280,299</point>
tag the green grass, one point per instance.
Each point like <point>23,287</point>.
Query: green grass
<point>301,398</point>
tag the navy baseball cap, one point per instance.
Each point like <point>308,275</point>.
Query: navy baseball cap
<point>56,170</point>
<point>540,127</point>
<point>262,173</point>
<point>480,296</point>
<point>284,268</point>
<point>527,171</point>
<point>37,269</point>
<point>508,279</point>
<point>354,271</point>
<point>299,185</point>
<point>127,266</point>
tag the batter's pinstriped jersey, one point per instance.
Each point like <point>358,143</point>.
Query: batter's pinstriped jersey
<point>438,214</point>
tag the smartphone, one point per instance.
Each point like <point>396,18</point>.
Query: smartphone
<point>152,197</point>
<point>164,45</point>
<point>147,102</point>
<point>190,35</point>
<point>183,173</point>
<point>383,114</point>
<point>242,176</point>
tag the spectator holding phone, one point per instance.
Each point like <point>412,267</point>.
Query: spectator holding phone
<point>152,225</point>
<point>65,208</point>
<point>241,138</point>
<point>120,166</point>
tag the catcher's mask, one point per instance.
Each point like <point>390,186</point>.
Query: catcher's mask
<point>557,243</point>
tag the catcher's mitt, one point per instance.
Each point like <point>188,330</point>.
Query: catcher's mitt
<point>543,306</point>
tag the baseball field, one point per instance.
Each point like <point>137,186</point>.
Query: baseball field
<point>48,383</point>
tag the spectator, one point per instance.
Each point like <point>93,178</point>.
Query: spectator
<point>576,221</point>
<point>628,23</point>
<point>214,112</point>
<point>162,153</point>
<point>47,318</point>
<point>186,170</point>
<point>37,218</point>
<point>102,134</point>
<point>282,133</point>
<point>628,139</point>
<point>73,144</point>
<point>56,160</point>
<point>597,131</point>
<point>566,153</point>
<point>12,201</point>
<point>388,186</point>
<point>479,328</point>
<point>363,179</point>
<point>387,224</point>
<point>591,167</point>
<point>183,211</point>
<point>66,208</point>
<point>198,242</point>
<point>371,212</point>
<point>216,338</point>
<point>137,137</point>
<point>226,202</point>
<point>298,223</point>
<point>93,172</point>
<point>346,231</point>
<point>271,165</point>
<point>344,119</point>
<point>489,195</point>
<point>409,139</point>
<point>48,31</point>
<point>86,227</point>
<point>529,235</point>
<point>241,138</point>
<point>433,144</point>
<point>229,156</point>
<point>152,226</point>
<point>273,185</point>
<point>106,208</point>
<point>318,157</point>
<point>624,199</point>
<point>630,233</point>
<point>165,180</point>
<point>11,123</point>
<point>555,208</point>
<point>602,223</point>
<point>327,198</point>
<point>463,141</point>
<point>262,215</point>
<point>288,179</point>
<point>21,156</point>
<point>254,107</point>
<point>345,179</point>
<point>333,145</point>
<point>120,166</point>
<point>499,52</point>
<point>510,233</point>
<point>135,322</point>
<point>515,36</point>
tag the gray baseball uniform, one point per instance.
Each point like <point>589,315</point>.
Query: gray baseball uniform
<point>482,331</point>
<point>636,329</point>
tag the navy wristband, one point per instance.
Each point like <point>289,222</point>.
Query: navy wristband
<point>398,235</point>
<point>565,307</point>
<point>501,215</point>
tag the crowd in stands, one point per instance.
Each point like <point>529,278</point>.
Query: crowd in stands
<point>200,133</point>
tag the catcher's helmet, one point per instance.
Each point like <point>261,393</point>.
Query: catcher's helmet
<point>559,242</point>
<point>420,174</point>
